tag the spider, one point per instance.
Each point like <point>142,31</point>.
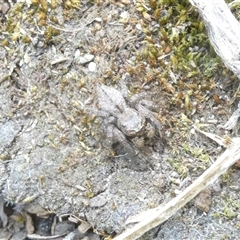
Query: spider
<point>129,122</point>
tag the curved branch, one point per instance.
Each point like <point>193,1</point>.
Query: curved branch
<point>223,30</point>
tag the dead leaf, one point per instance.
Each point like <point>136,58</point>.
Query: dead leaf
<point>147,16</point>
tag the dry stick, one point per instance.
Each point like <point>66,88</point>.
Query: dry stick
<point>161,214</point>
<point>223,30</point>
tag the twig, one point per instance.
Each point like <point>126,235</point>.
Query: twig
<point>75,29</point>
<point>4,77</point>
<point>162,213</point>
<point>223,30</point>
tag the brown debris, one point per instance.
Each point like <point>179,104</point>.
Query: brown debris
<point>203,200</point>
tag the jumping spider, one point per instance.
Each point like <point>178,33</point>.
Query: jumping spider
<point>129,122</point>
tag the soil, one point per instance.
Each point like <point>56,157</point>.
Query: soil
<point>51,144</point>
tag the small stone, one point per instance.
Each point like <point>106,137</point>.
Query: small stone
<point>124,15</point>
<point>4,7</point>
<point>92,66</point>
<point>139,26</point>
<point>27,58</point>
<point>86,58</point>
<point>98,201</point>
<point>98,19</point>
<point>203,200</point>
<point>77,54</point>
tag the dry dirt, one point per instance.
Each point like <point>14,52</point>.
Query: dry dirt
<point>51,146</point>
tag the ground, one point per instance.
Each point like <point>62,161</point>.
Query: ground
<point>51,142</point>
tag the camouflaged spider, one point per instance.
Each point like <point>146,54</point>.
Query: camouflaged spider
<point>130,122</point>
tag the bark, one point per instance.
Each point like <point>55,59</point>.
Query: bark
<point>223,30</point>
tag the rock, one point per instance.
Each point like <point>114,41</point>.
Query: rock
<point>86,58</point>
<point>203,200</point>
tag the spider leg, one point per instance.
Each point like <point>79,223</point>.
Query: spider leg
<point>150,116</point>
<point>120,138</point>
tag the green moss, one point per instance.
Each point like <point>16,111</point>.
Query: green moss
<point>183,31</point>
<point>198,153</point>
<point>176,163</point>
<point>178,52</point>
<point>49,33</point>
<point>229,209</point>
